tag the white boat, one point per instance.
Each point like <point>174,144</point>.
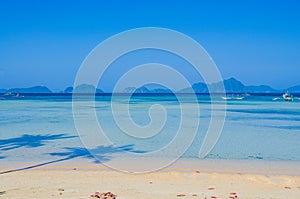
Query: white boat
<point>18,95</point>
<point>287,96</point>
<point>238,98</point>
<point>232,97</point>
<point>8,94</point>
<point>13,95</point>
<point>225,98</point>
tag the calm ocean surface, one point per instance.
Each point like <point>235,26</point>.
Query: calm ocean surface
<point>37,128</point>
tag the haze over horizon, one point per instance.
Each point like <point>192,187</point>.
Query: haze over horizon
<point>44,43</point>
<point>231,85</point>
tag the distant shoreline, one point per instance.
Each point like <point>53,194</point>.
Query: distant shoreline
<point>147,94</point>
<point>229,86</point>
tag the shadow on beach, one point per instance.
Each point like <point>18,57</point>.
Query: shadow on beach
<point>98,155</point>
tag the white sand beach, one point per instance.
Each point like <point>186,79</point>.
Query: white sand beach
<point>73,180</point>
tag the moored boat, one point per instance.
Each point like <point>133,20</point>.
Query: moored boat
<point>9,94</point>
<point>233,97</point>
<point>287,96</point>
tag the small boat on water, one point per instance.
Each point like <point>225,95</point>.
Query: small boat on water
<point>233,97</point>
<point>9,94</point>
<point>276,98</point>
<point>13,95</point>
<point>18,95</point>
<point>287,96</point>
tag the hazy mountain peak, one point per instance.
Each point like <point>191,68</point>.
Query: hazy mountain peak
<point>148,88</point>
<point>34,89</point>
<point>86,88</point>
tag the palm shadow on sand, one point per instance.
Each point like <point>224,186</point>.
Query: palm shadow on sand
<point>97,155</point>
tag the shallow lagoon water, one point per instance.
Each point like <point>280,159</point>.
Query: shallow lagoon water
<point>39,128</point>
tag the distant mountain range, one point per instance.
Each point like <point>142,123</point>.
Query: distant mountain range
<point>84,88</point>
<point>35,89</point>
<point>231,85</point>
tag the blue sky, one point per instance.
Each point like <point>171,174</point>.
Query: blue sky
<point>44,42</point>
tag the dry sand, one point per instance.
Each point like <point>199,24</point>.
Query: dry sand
<point>66,182</point>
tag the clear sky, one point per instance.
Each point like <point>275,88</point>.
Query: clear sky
<point>44,42</point>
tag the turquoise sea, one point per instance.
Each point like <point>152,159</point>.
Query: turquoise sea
<point>41,128</point>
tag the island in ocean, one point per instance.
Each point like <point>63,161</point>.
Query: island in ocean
<point>231,85</point>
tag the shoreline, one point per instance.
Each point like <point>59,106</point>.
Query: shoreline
<point>221,166</point>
